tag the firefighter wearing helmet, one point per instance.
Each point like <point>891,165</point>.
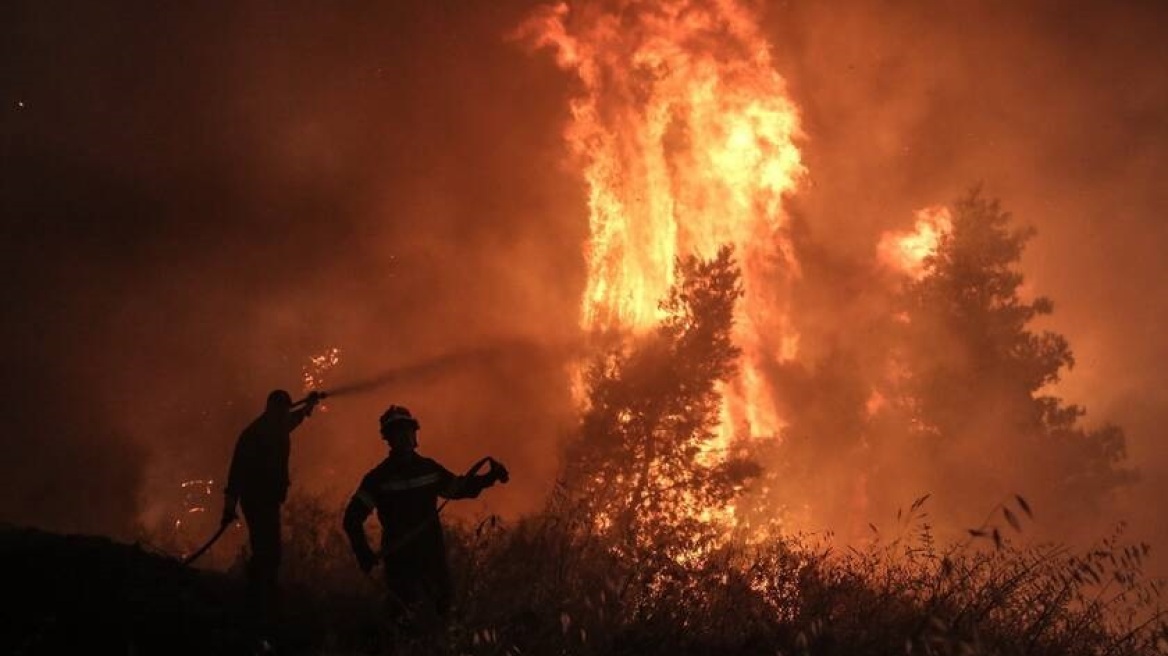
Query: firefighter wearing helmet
<point>404,490</point>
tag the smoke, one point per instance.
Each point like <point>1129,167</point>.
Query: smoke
<point>180,237</point>
<point>1059,113</point>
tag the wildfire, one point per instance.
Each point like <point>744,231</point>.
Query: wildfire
<point>906,251</point>
<point>686,137</point>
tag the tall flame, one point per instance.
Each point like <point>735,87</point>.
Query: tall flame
<point>686,137</point>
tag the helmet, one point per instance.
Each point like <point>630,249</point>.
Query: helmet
<point>398,414</point>
<point>399,417</point>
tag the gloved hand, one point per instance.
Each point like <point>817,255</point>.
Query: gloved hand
<point>312,400</point>
<point>229,514</point>
<point>498,472</point>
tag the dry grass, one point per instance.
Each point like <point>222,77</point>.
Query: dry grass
<point>547,584</point>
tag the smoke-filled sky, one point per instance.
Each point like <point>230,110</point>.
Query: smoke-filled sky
<point>197,198</point>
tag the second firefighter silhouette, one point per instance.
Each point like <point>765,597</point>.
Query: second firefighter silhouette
<point>404,489</point>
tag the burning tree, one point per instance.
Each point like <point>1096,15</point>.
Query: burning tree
<point>686,136</point>
<point>950,392</point>
<point>642,466</point>
<point>974,376</point>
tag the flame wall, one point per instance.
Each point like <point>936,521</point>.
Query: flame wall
<point>686,139</point>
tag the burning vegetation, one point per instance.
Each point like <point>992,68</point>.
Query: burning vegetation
<point>644,547</point>
<point>746,472</point>
<point>688,144</point>
<point>686,137</point>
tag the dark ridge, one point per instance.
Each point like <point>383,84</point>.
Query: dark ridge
<point>90,594</point>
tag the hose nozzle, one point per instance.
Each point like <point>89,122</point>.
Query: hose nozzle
<point>312,399</point>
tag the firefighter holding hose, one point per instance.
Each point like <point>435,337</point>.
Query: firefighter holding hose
<point>404,490</point>
<point>258,481</point>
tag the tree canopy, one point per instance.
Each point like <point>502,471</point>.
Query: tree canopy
<point>641,463</point>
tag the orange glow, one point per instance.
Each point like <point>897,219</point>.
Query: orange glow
<point>906,251</point>
<point>686,138</point>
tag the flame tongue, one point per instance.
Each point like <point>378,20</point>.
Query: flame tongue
<point>907,251</point>
<point>686,138</point>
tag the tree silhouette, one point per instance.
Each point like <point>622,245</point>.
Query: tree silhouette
<point>973,375</point>
<point>949,391</point>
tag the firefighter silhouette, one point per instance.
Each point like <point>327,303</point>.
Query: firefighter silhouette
<point>258,481</point>
<point>404,489</point>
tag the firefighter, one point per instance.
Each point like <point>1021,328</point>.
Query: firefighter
<point>404,489</point>
<point>258,481</point>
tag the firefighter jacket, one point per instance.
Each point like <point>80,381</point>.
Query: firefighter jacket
<point>404,489</point>
<point>259,467</point>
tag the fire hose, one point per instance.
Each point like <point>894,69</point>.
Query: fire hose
<point>504,477</point>
<point>424,367</point>
<point>207,545</point>
<point>310,401</point>
<point>409,537</point>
